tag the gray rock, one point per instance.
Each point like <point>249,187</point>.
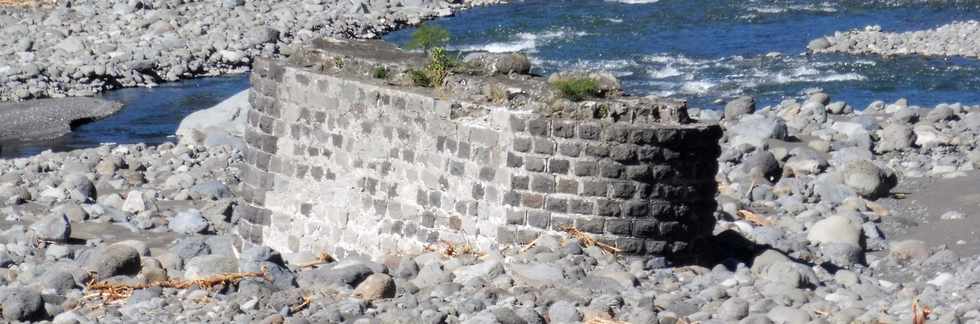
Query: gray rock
<point>58,280</point>
<point>432,274</point>
<point>940,114</point>
<point>733,309</point>
<point>564,312</point>
<point>500,63</point>
<point>755,129</point>
<point>53,227</point>
<point>79,187</point>
<point>805,161</point>
<point>344,274</point>
<point>189,247</point>
<point>537,274</point>
<point>738,107</point>
<point>136,203</point>
<point>791,274</point>
<point>895,137</point>
<point>787,315</point>
<point>113,260</point>
<point>843,255</point>
<point>835,229</point>
<point>189,222</point>
<point>867,179</point>
<point>909,250</point>
<point>761,163</point>
<point>374,287</point>
<point>21,304</point>
<point>204,266</point>
<point>818,44</point>
<point>222,124</point>
<point>212,190</point>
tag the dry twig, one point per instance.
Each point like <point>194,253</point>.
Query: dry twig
<point>530,245</point>
<point>114,292</point>
<point>920,312</point>
<point>586,240</point>
<point>753,218</point>
<point>301,306</point>
<point>600,320</point>
<point>27,3</point>
<point>323,258</point>
<point>453,250</point>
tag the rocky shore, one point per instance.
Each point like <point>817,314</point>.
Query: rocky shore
<point>80,48</point>
<point>955,39</point>
<point>809,203</point>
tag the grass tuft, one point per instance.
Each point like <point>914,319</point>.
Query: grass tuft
<point>577,89</point>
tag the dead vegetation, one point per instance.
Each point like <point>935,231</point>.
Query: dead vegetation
<point>450,249</point>
<point>755,219</point>
<point>111,293</point>
<point>323,258</point>
<point>588,241</point>
<point>28,3</point>
<point>920,312</point>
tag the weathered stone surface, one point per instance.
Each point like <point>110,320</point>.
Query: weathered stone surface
<point>113,260</point>
<point>375,286</point>
<point>505,177</point>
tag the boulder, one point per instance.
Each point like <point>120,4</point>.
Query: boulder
<point>867,179</point>
<point>201,267</point>
<point>53,227</point>
<point>835,229</point>
<point>21,304</point>
<point>223,124</point>
<point>500,63</point>
<point>189,221</point>
<point>738,107</point>
<point>113,260</point>
<point>376,286</point>
<point>895,137</point>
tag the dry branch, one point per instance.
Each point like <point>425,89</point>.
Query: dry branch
<point>753,218</point>
<point>919,313</point>
<point>587,241</point>
<point>323,258</point>
<point>451,249</point>
<point>27,3</point>
<point>112,292</point>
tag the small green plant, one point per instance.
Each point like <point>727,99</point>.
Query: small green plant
<point>380,72</point>
<point>577,89</point>
<point>497,93</point>
<point>428,37</point>
<point>434,73</point>
<point>338,62</point>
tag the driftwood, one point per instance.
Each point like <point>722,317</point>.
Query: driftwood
<point>112,292</point>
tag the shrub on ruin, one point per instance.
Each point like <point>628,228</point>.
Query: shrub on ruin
<point>577,89</point>
<point>435,72</point>
<point>428,37</point>
<point>380,72</point>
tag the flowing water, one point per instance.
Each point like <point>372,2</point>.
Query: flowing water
<point>706,50</point>
<point>149,115</point>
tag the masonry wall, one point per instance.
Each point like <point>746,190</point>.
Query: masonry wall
<point>353,166</point>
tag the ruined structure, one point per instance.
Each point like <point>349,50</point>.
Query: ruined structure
<point>346,159</point>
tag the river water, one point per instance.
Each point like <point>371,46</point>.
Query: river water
<point>149,115</point>
<point>706,50</point>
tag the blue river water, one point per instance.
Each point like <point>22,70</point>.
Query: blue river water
<point>710,50</point>
<point>705,51</point>
<point>149,115</point>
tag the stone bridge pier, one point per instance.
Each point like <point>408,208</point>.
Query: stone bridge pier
<point>341,161</point>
